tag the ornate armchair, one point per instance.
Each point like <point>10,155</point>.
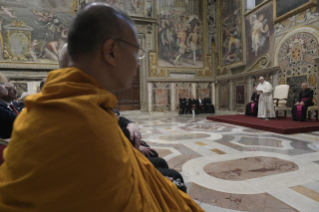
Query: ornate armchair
<point>280,99</point>
<point>313,108</point>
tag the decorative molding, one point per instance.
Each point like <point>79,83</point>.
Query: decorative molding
<point>310,4</point>
<point>261,63</point>
<point>161,85</point>
<point>258,72</point>
<point>255,9</point>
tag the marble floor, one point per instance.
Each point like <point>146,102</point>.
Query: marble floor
<point>230,168</point>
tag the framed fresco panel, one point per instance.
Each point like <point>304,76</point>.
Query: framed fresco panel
<point>131,7</point>
<point>231,32</point>
<point>180,34</point>
<point>259,32</point>
<point>33,32</point>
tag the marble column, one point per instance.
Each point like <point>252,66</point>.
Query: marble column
<point>213,97</point>
<point>231,87</point>
<point>194,90</point>
<point>173,93</point>
<point>150,100</point>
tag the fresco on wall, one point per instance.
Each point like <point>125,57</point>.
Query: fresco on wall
<point>180,42</point>
<point>33,31</point>
<point>231,32</point>
<point>259,33</point>
<point>211,13</point>
<point>307,16</point>
<point>131,7</point>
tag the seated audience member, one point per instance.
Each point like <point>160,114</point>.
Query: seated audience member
<point>200,104</point>
<point>8,113</point>
<point>12,97</point>
<point>252,106</point>
<point>132,132</point>
<point>183,105</point>
<point>299,110</point>
<point>97,169</point>
<point>192,104</point>
<point>209,107</point>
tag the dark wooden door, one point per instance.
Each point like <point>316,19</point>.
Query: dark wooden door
<point>130,99</point>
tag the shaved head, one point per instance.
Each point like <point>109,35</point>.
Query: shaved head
<point>93,25</point>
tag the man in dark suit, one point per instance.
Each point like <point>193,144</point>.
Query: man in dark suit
<point>208,106</point>
<point>7,114</point>
<point>200,104</point>
<point>304,100</point>
<point>183,105</point>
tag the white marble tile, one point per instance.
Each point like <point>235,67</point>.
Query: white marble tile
<point>313,186</point>
<point>283,180</point>
<point>295,200</point>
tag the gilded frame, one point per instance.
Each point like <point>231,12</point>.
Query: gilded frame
<point>300,9</point>
<point>10,32</point>
<point>221,33</point>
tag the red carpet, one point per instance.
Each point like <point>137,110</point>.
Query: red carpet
<point>281,125</point>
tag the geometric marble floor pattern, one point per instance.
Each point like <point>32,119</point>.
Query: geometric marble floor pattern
<point>231,168</point>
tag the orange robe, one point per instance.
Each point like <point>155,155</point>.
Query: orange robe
<point>67,153</point>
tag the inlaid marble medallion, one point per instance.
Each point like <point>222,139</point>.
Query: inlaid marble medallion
<point>249,168</point>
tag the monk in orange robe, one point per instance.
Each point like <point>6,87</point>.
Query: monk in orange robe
<point>67,152</point>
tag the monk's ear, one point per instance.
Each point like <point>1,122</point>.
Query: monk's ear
<point>108,52</point>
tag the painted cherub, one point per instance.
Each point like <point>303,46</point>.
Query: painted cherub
<point>6,54</point>
<point>43,17</point>
<point>6,11</point>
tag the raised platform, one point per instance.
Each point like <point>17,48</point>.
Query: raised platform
<point>281,125</point>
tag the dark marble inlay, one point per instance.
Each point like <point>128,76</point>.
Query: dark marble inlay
<point>249,168</point>
<point>184,136</point>
<point>163,152</point>
<point>241,202</point>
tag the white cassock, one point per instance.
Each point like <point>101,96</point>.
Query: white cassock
<point>265,105</point>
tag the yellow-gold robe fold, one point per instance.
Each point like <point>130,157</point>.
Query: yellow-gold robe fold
<point>67,153</point>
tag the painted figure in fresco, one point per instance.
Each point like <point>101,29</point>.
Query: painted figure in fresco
<point>6,54</point>
<point>42,16</point>
<point>32,51</point>
<point>309,15</point>
<point>211,12</point>
<point>52,50</point>
<point>192,41</point>
<point>182,47</point>
<point>135,4</point>
<point>259,32</point>
<point>6,11</point>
